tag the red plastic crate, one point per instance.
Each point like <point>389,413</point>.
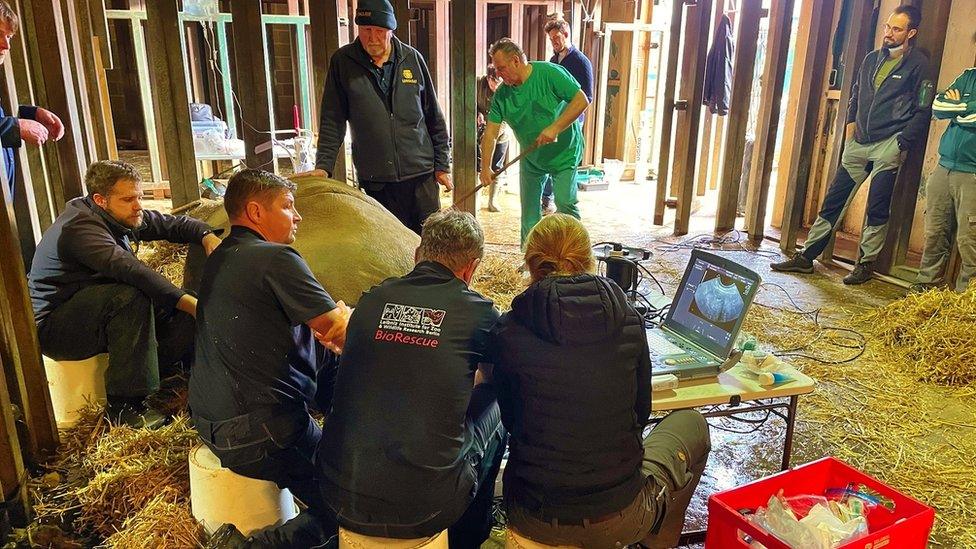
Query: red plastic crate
<point>906,527</point>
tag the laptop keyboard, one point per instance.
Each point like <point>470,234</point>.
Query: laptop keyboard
<point>660,346</point>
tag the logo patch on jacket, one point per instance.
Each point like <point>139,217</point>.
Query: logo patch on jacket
<point>408,77</point>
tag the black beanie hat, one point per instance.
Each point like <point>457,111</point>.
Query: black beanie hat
<point>376,13</point>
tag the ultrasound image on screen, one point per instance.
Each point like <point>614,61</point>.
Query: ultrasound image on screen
<point>718,299</point>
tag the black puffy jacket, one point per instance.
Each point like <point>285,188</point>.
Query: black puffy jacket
<point>573,374</point>
<point>395,136</point>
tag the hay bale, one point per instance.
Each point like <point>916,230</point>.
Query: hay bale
<point>131,467</point>
<point>499,279</point>
<point>164,522</point>
<point>935,331</point>
<point>165,258</point>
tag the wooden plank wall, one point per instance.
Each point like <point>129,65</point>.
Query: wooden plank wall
<point>688,120</point>
<point>168,69</point>
<point>780,21</point>
<point>747,32</point>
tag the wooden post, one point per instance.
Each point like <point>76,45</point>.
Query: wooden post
<point>401,9</point>
<point>12,473</point>
<point>252,84</point>
<point>859,41</point>
<point>89,56</point>
<point>324,26</point>
<point>780,19</point>
<point>463,104</point>
<point>931,38</point>
<point>26,381</point>
<point>810,96</point>
<point>667,115</point>
<point>689,118</point>
<point>54,82</point>
<point>164,29</point>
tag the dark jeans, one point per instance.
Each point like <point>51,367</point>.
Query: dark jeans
<point>279,448</point>
<point>675,454</point>
<point>411,201</point>
<point>121,320</point>
<point>485,445</point>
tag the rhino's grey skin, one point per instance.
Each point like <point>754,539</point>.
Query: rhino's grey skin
<point>350,241</point>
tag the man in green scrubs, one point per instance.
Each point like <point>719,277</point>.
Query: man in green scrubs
<point>542,103</point>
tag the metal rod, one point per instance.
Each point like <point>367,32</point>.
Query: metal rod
<point>495,176</point>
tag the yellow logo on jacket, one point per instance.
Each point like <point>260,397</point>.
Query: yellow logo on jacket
<point>408,77</point>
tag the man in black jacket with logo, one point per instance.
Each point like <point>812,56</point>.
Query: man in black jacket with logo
<point>91,294</point>
<point>888,114</point>
<point>414,441</point>
<point>400,145</point>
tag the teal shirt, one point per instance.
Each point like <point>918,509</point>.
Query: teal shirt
<point>535,104</point>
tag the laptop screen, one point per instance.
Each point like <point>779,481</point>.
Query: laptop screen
<point>711,302</point>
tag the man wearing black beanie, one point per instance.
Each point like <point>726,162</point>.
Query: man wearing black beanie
<point>382,88</point>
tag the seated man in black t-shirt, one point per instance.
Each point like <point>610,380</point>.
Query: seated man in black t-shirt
<point>258,364</point>
<point>414,441</point>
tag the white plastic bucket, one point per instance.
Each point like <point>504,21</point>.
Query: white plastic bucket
<point>73,384</point>
<point>351,540</point>
<point>219,496</point>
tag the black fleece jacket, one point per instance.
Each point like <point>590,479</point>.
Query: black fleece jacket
<point>903,102</point>
<point>395,136</point>
<point>573,373</point>
<point>85,246</point>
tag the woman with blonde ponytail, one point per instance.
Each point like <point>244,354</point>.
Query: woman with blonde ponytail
<point>573,374</point>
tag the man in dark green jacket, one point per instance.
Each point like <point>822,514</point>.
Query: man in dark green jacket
<point>950,192</point>
<point>381,87</point>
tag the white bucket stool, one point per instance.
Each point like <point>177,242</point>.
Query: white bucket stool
<point>219,495</point>
<point>351,540</point>
<point>73,384</point>
<point>514,540</point>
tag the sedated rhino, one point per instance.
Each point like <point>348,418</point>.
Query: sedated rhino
<point>349,240</point>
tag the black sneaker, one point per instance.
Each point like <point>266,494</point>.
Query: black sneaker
<point>797,264</point>
<point>860,274</point>
<point>226,537</point>
<point>134,413</point>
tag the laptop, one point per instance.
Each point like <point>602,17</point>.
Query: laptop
<point>698,334</point>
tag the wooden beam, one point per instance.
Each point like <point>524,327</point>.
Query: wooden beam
<point>860,40</point>
<point>105,102</point>
<point>99,23</point>
<point>774,74</point>
<point>12,473</point>
<point>65,159</point>
<point>252,83</point>
<point>688,123</point>
<point>324,29</point>
<point>810,96</point>
<point>463,104</point>
<point>164,29</point>
<point>20,351</point>
<point>931,38</point>
<point>667,116</point>
<point>401,10</point>
<point>89,85</point>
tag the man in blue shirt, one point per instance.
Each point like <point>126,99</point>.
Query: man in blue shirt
<point>264,325</point>
<point>34,125</point>
<point>579,67</point>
